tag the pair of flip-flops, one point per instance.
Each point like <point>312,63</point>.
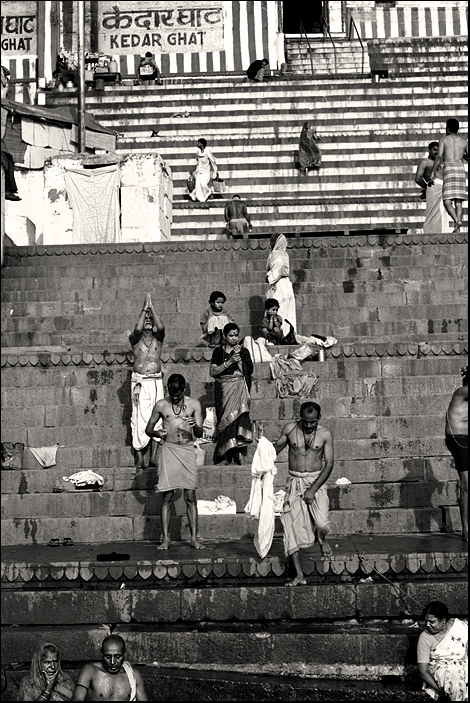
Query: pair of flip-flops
<point>55,542</point>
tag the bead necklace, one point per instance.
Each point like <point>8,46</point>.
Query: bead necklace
<point>307,443</point>
<point>181,405</point>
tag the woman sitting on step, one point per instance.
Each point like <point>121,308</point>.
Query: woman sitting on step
<point>443,654</point>
<point>309,153</point>
<point>232,367</point>
<point>279,284</point>
<point>46,681</point>
<point>202,174</point>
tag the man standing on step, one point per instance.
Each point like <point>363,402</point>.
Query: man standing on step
<point>146,381</point>
<point>452,151</point>
<point>305,513</point>
<point>177,468</point>
<point>437,219</point>
<point>112,678</point>
<point>457,444</point>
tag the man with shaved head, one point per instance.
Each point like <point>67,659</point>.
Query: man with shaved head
<point>112,678</point>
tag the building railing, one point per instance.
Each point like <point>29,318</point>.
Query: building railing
<point>303,33</point>
<point>352,27</point>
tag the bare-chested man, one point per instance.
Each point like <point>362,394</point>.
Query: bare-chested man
<point>453,150</point>
<point>437,219</point>
<point>236,216</point>
<point>146,381</point>
<point>111,679</point>
<point>305,511</point>
<point>457,444</point>
<point>182,421</point>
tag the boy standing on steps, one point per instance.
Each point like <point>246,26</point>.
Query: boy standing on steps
<point>146,380</point>
<point>305,516</point>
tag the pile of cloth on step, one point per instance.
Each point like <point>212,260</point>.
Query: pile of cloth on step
<point>85,478</point>
<point>291,379</point>
<point>222,505</point>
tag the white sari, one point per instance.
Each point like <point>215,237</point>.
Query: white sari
<point>205,160</point>
<point>448,664</point>
<point>279,284</point>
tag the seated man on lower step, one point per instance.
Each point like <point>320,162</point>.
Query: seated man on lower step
<point>305,516</point>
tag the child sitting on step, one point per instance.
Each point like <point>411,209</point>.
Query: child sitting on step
<point>271,324</point>
<point>214,319</point>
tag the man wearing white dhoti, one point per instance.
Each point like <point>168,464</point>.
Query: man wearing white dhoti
<point>146,380</point>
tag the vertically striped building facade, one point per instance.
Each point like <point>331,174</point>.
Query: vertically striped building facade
<point>197,37</point>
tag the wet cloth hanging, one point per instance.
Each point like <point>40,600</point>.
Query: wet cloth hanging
<point>45,455</point>
<point>261,502</point>
<point>93,197</point>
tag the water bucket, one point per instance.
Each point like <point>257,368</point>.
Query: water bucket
<point>200,457</point>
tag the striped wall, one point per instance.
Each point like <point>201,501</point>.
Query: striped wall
<point>250,32</point>
<point>438,20</point>
<point>26,69</point>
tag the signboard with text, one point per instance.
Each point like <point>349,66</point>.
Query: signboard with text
<point>160,27</point>
<point>19,28</point>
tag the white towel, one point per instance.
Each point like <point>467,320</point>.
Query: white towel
<point>261,502</point>
<point>84,478</point>
<point>45,455</point>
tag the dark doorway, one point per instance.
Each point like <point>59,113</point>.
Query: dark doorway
<point>308,12</point>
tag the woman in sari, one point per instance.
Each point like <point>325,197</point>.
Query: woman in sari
<point>443,654</point>
<point>232,367</point>
<point>279,284</point>
<point>202,174</point>
<point>46,681</point>
<point>309,153</point>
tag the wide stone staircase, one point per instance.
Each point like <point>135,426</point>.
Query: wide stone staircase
<point>373,135</point>
<point>397,306</point>
<point>337,56</point>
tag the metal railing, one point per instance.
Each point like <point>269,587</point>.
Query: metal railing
<point>303,32</point>
<point>326,27</point>
<point>352,25</point>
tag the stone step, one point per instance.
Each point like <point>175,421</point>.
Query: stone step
<point>363,651</point>
<point>198,685</point>
<point>96,528</point>
<point>33,479</point>
<point>83,503</point>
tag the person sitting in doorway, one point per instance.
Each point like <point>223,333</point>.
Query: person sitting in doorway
<point>148,70</point>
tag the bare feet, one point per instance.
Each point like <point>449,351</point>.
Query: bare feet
<point>164,545</point>
<point>457,227</point>
<point>297,581</point>
<point>325,549</point>
<point>196,545</point>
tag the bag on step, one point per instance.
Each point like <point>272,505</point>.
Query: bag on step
<point>190,183</point>
<point>12,455</point>
<point>219,185</point>
<point>208,426</point>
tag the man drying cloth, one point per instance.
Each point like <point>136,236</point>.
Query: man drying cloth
<point>146,381</point>
<point>305,513</point>
<point>182,421</point>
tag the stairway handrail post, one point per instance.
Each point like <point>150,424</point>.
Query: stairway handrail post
<point>352,25</point>
<point>326,26</point>
<point>302,30</point>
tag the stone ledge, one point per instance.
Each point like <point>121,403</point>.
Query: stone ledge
<point>21,356</point>
<point>217,245</point>
<point>371,567</point>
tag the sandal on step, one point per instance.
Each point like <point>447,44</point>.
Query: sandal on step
<point>68,542</point>
<point>54,542</point>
